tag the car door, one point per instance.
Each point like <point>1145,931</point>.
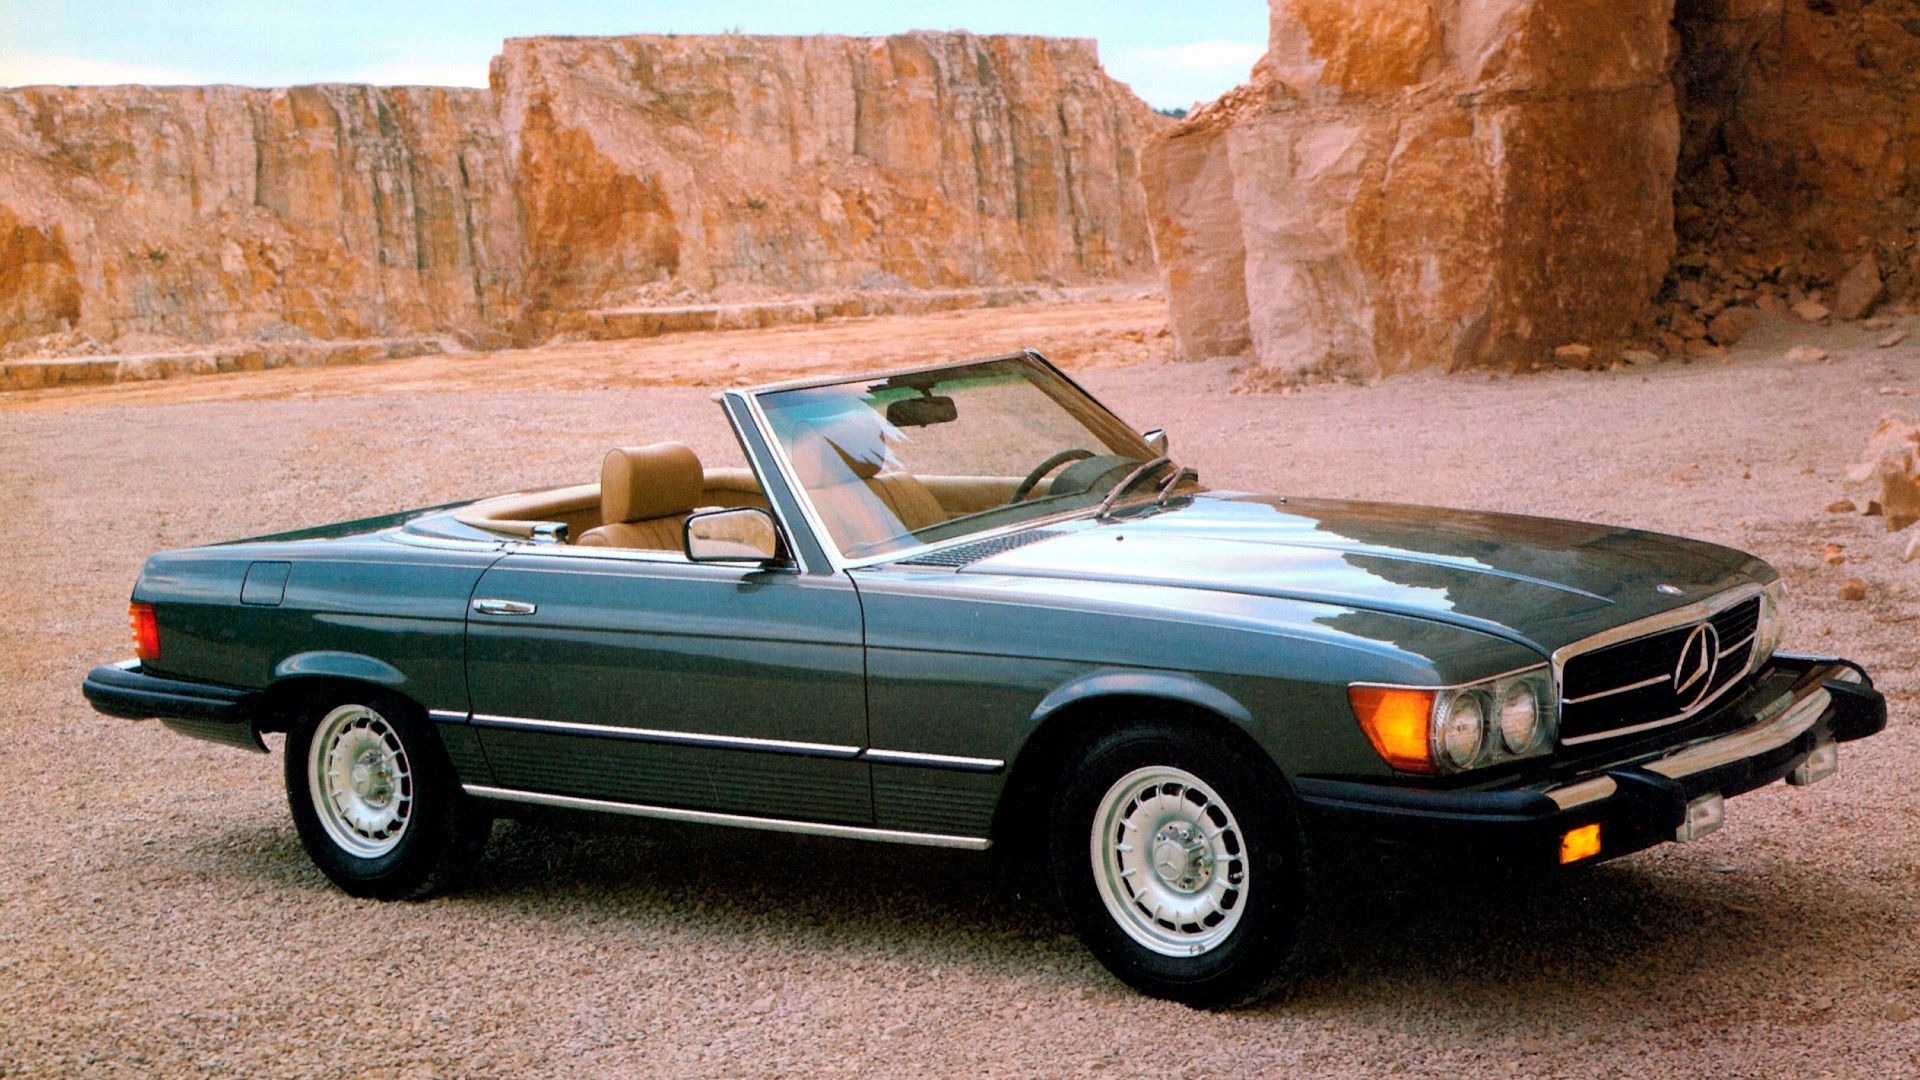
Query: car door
<point>612,675</point>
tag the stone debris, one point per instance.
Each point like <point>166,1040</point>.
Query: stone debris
<point>1842,506</point>
<point>1734,323</point>
<point>1638,356</point>
<point>1853,590</point>
<point>1573,355</point>
<point>1891,462</point>
<point>1807,354</point>
<point>1878,322</point>
<point>1812,311</point>
<point>1860,289</point>
<point>1892,339</point>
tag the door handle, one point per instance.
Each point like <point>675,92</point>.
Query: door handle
<point>503,607</point>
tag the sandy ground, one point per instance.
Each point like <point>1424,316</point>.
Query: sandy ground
<point>157,915</point>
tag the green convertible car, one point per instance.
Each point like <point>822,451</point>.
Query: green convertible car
<point>966,605</point>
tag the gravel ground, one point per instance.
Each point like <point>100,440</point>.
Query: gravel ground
<point>157,915</point>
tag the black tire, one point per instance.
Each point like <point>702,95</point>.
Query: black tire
<point>1260,950</point>
<point>441,831</point>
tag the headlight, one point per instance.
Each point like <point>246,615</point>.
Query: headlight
<point>1453,728</point>
<point>1520,714</point>
<point>1773,623</point>
<point>1460,733</point>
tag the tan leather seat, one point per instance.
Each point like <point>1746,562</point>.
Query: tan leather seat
<point>646,493</point>
<point>861,504</point>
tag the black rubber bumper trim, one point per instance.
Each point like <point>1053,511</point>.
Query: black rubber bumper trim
<point>221,714</point>
<point>1645,809</point>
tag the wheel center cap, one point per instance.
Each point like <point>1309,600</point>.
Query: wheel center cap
<point>372,777</point>
<point>1181,858</point>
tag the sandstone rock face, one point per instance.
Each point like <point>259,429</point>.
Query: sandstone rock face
<point>594,173</point>
<point>198,213</point>
<point>1430,182</point>
<point>797,164</point>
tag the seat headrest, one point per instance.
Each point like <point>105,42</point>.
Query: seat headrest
<point>641,482</point>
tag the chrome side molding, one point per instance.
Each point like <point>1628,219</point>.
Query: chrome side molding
<point>731,742</point>
<point>742,821</point>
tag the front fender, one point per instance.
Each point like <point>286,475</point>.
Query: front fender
<point>1167,685</point>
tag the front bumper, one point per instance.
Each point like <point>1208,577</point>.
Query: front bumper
<point>1636,803</point>
<point>221,714</point>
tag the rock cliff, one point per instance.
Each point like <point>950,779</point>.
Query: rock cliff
<point>1423,182</point>
<point>805,163</point>
<point>595,172</point>
<point>197,213</point>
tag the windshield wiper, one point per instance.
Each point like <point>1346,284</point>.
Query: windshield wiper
<point>1173,481</point>
<point>1127,482</point>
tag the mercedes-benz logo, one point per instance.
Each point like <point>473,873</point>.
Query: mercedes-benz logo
<point>1693,675</point>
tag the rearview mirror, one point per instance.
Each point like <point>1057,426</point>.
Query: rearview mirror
<point>742,534</point>
<point>922,411</point>
<point>1156,440</point>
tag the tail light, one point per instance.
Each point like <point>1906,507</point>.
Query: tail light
<point>146,631</point>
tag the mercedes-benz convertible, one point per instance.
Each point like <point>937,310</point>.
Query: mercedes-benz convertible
<point>965,605</point>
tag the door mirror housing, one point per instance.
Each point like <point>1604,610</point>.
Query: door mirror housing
<point>1156,439</point>
<point>741,534</point>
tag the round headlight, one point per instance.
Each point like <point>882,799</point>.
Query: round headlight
<point>1520,727</point>
<point>1462,731</point>
<point>1773,622</point>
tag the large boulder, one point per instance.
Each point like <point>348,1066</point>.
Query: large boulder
<point>1430,183</point>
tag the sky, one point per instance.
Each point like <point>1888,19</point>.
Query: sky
<point>1172,54</point>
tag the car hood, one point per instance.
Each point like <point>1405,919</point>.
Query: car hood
<point>1539,581</point>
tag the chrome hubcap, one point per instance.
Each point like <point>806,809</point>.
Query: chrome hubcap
<point>360,781</point>
<point>1169,861</point>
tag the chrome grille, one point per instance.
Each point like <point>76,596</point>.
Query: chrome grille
<point>1658,677</point>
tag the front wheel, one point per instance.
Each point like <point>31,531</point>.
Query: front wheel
<point>375,800</point>
<point>1181,865</point>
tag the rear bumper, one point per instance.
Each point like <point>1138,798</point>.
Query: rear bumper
<point>221,714</point>
<point>1637,803</point>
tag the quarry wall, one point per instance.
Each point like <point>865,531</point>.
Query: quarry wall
<point>595,172</point>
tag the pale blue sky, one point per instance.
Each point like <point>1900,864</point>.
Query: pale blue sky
<point>1173,54</point>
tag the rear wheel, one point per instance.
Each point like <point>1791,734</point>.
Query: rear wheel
<point>375,800</point>
<point>1180,863</point>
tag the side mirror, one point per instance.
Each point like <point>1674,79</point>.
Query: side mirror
<point>742,534</point>
<point>1156,440</point>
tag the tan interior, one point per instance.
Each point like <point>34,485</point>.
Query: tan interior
<point>655,487</point>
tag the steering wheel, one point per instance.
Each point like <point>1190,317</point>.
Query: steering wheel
<point>1045,467</point>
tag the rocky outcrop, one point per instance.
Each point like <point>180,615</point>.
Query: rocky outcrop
<point>1425,182</point>
<point>800,164</point>
<point>1801,158</point>
<point>198,213</point>
<point>595,173</point>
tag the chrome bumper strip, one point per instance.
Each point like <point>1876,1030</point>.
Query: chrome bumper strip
<point>743,821</point>
<point>1584,792</point>
<point>1788,725</point>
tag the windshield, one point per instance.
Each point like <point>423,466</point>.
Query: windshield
<point>896,463</point>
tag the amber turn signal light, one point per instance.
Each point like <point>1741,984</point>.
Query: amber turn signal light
<point>1397,720</point>
<point>1580,843</point>
<point>146,631</point>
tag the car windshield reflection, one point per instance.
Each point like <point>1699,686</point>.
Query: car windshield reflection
<point>899,462</point>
